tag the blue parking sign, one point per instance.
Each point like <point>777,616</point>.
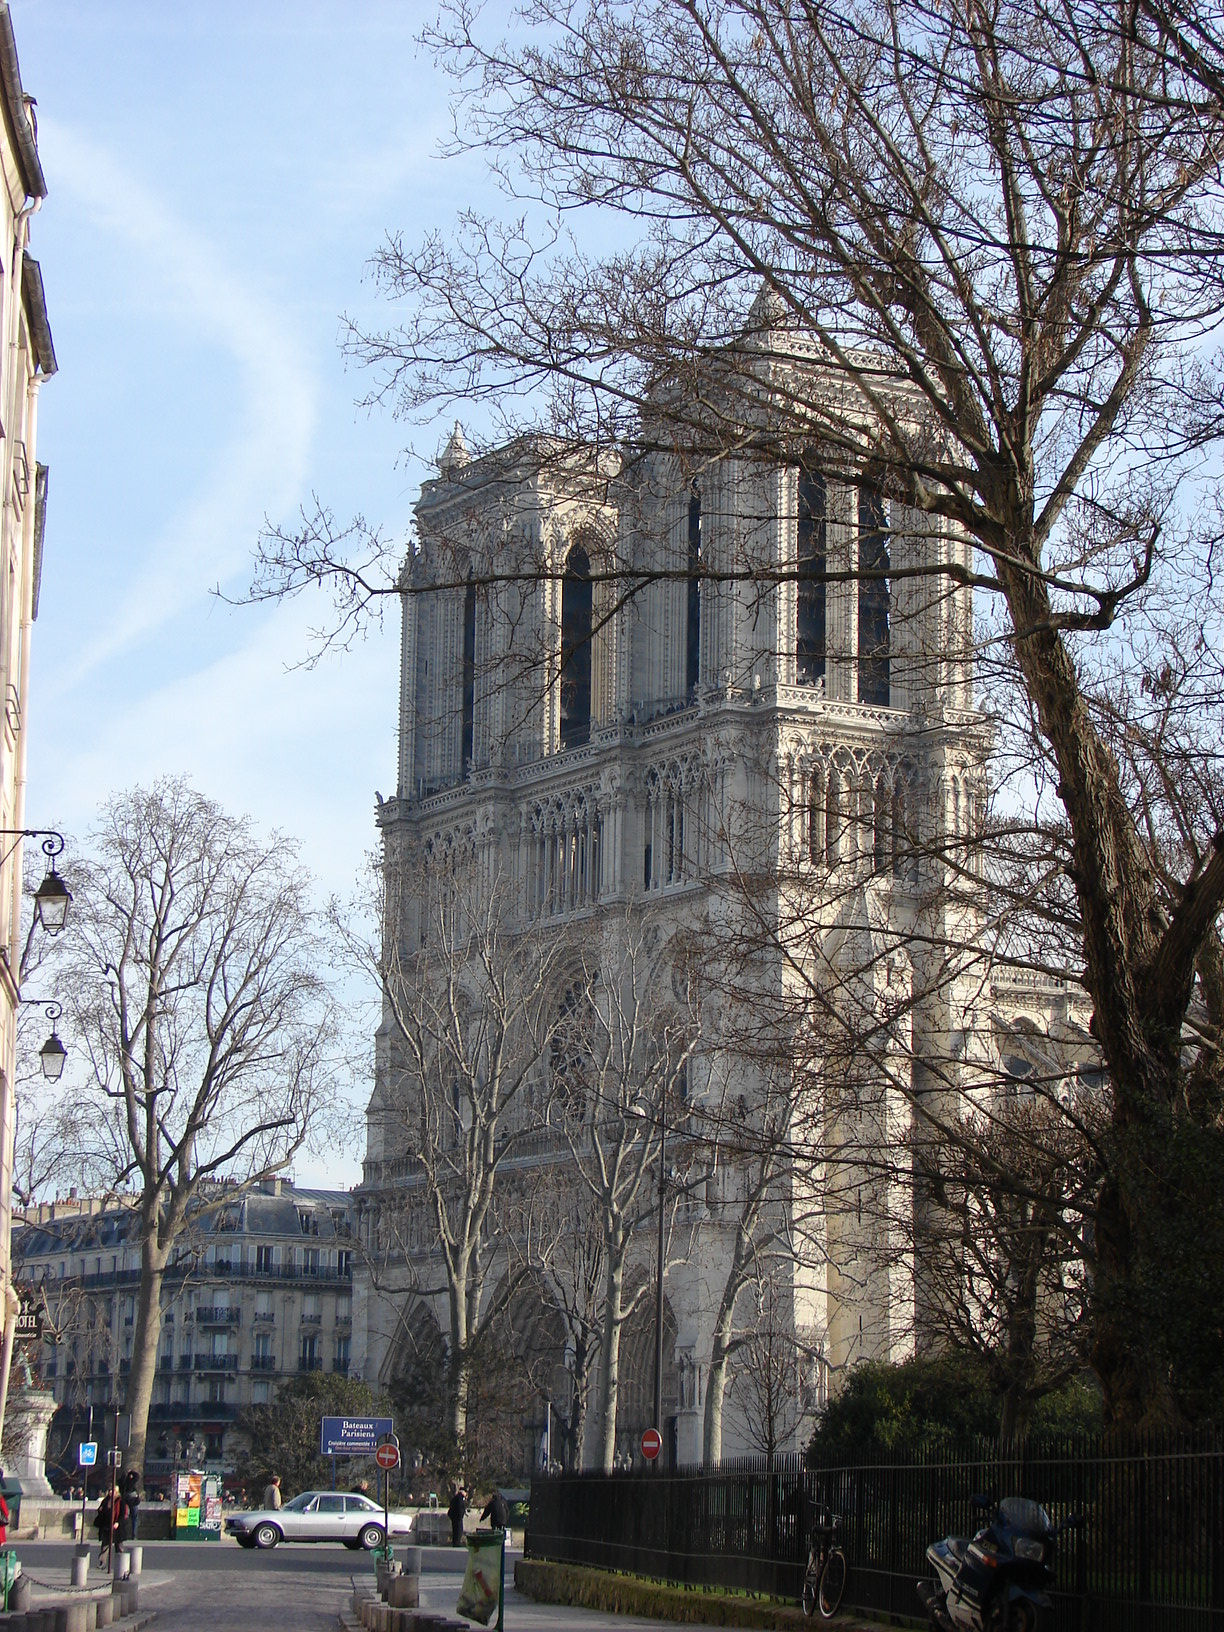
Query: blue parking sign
<point>87,1453</point>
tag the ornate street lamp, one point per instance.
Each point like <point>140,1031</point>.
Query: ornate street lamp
<point>52,898</point>
<point>52,1055</point>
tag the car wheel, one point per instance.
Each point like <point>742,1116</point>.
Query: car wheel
<point>371,1537</point>
<point>353,1546</point>
<point>267,1535</point>
<point>245,1541</point>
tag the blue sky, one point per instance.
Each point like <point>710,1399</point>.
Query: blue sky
<point>218,178</point>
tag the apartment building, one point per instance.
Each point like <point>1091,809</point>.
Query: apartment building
<point>259,1292</point>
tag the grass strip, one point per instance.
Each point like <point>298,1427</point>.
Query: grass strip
<point>584,1588</point>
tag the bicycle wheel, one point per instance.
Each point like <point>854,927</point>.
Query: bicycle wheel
<point>811,1586</point>
<point>832,1583</point>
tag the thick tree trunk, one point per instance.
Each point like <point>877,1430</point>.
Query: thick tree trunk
<point>145,1337</point>
<point>720,1346</point>
<point>460,1362</point>
<point>614,1286</point>
<point>1017,1393</point>
<point>716,1388</point>
<point>580,1399</point>
<point>1139,966</point>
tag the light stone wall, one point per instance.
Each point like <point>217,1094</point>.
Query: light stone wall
<point>749,756</point>
<point>26,358</point>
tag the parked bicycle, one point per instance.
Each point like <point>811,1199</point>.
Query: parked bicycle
<point>825,1579</point>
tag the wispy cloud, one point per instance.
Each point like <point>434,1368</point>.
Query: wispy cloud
<point>278,744</point>
<point>255,465</point>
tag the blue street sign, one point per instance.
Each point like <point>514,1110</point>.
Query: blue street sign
<point>353,1436</point>
<point>87,1453</point>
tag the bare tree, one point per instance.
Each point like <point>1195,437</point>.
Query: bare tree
<point>573,1264</point>
<point>751,1177</point>
<point>470,1005</point>
<point>191,965</point>
<point>998,234</point>
<point>1007,1257</point>
<point>623,1049</point>
<point>771,1391</point>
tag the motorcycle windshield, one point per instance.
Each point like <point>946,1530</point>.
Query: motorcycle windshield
<point>1024,1517</point>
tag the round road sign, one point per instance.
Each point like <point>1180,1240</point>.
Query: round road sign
<point>387,1456</point>
<point>652,1444</point>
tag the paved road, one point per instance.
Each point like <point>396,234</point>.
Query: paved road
<point>217,1587</point>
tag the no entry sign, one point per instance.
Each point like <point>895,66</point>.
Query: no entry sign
<point>652,1444</point>
<point>387,1456</point>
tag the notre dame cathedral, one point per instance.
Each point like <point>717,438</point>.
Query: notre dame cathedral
<point>632,689</point>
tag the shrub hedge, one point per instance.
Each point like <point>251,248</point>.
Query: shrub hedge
<point>583,1588</point>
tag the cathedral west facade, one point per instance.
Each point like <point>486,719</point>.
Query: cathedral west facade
<point>786,694</point>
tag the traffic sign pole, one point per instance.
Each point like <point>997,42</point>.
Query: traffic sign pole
<point>85,1478</point>
<point>387,1456</point>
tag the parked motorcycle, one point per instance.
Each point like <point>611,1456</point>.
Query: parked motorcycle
<point>997,1581</point>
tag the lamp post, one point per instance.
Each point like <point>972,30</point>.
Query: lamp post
<point>642,1110</point>
<point>51,902</point>
<point>658,1358</point>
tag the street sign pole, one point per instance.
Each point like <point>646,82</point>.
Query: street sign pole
<point>114,1489</point>
<point>387,1456</point>
<point>501,1586</point>
<point>85,1478</point>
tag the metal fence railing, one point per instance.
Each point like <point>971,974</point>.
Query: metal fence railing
<point>1150,1556</point>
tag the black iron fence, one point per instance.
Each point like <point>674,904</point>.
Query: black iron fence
<point>1149,1558</point>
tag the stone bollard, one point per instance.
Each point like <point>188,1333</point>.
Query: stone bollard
<point>125,1598</point>
<point>19,1595</point>
<point>405,1592</point>
<point>74,1618</point>
<point>412,1572</point>
<point>106,1611</point>
<point>135,1555</point>
<point>123,1565</point>
<point>80,1566</point>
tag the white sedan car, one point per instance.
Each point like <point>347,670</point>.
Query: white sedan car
<point>318,1515</point>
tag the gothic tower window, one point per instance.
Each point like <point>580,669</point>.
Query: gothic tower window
<point>833,816</point>
<point>810,637</point>
<point>873,638</point>
<point>881,825</point>
<point>816,816</point>
<point>576,607</point>
<point>692,649</point>
<point>469,676</point>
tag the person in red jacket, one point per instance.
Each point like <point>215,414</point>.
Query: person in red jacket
<point>4,1514</point>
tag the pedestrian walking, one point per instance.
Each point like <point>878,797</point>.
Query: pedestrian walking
<point>106,1523</point>
<point>4,1514</point>
<point>455,1513</point>
<point>131,1504</point>
<point>497,1511</point>
<point>272,1494</point>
